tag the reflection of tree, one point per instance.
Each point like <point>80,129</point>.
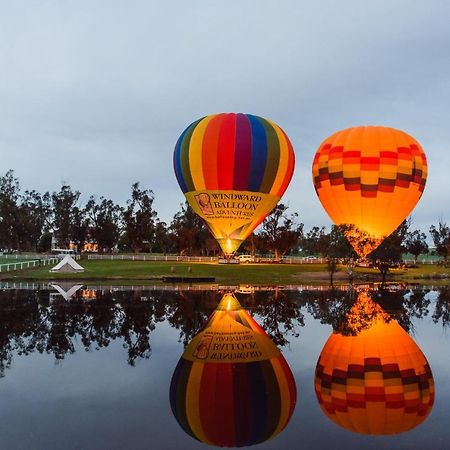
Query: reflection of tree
<point>136,324</point>
<point>330,306</point>
<point>278,314</point>
<point>442,308</point>
<point>28,323</point>
<point>403,304</point>
<point>189,312</point>
<point>17,319</point>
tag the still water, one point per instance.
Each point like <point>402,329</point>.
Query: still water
<point>108,368</point>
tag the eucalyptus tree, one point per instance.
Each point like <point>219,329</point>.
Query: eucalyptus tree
<point>139,219</point>
<point>279,233</point>
<point>104,218</point>
<point>416,243</point>
<point>68,220</point>
<point>188,232</point>
<point>441,239</point>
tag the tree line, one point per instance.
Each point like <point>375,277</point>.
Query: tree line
<point>29,220</point>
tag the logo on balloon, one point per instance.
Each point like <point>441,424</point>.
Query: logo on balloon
<point>202,349</point>
<point>204,203</point>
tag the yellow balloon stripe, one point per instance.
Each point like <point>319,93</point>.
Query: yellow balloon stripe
<point>196,153</point>
<point>193,400</point>
<point>284,159</point>
<point>285,395</point>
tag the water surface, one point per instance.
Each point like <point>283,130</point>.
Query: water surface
<point>92,369</point>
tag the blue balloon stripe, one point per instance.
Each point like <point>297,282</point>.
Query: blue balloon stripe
<point>177,161</point>
<point>259,154</point>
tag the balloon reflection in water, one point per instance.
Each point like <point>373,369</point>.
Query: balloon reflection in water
<point>375,380</point>
<point>233,170</point>
<point>232,387</point>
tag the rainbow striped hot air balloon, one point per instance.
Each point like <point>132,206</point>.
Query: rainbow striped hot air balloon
<point>376,381</point>
<point>233,170</point>
<point>370,178</point>
<point>232,387</point>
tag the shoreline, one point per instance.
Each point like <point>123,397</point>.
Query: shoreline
<point>148,273</point>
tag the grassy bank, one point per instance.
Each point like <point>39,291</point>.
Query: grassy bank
<point>149,272</point>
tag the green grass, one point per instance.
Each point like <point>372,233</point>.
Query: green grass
<point>147,271</point>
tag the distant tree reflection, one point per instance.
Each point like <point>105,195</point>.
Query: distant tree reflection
<point>35,321</point>
<point>442,309</point>
<point>278,313</point>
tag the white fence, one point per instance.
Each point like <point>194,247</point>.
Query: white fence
<point>27,264</point>
<point>154,258</point>
<point>176,258</point>
<point>19,256</point>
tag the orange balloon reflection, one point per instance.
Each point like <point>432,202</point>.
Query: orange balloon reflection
<point>232,387</point>
<point>375,380</point>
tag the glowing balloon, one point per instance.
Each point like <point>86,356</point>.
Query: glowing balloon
<point>369,177</point>
<point>233,170</point>
<point>232,387</point>
<point>376,381</point>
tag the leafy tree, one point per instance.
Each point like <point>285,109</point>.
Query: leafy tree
<point>315,242</point>
<point>188,232</point>
<point>9,210</point>
<point>67,218</point>
<point>104,222</point>
<point>415,243</point>
<point>35,215</point>
<point>139,219</point>
<point>45,242</point>
<point>441,239</point>
<point>79,228</point>
<point>333,245</point>
<point>279,232</point>
<point>163,241</point>
<point>390,251</point>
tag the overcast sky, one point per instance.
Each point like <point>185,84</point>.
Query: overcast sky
<point>96,93</point>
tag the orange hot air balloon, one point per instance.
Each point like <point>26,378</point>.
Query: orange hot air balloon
<point>375,380</point>
<point>369,178</point>
<point>233,170</point>
<point>232,387</point>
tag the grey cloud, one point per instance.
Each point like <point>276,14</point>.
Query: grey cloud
<point>97,93</point>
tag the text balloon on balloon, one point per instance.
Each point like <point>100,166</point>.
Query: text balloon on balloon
<point>233,170</point>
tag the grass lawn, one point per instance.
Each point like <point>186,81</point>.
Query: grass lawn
<point>424,273</point>
<point>283,274</point>
<point>146,270</point>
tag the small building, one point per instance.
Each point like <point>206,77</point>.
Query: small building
<point>67,265</point>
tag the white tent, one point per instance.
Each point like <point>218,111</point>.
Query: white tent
<point>67,265</point>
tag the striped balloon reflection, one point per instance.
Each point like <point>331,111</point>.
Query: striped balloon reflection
<point>232,387</point>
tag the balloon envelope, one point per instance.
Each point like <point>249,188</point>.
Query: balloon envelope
<point>376,381</point>
<point>233,169</point>
<point>370,177</point>
<point>232,387</point>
